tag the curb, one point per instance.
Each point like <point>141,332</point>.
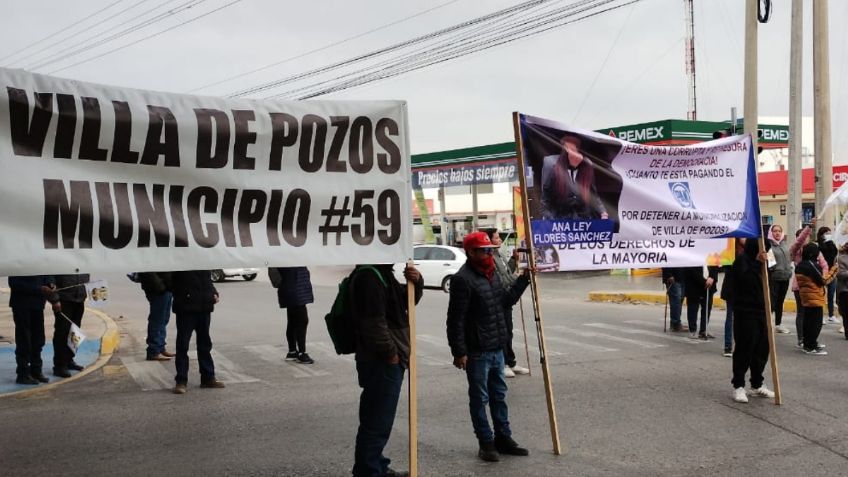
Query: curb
<point>108,344</point>
<point>659,298</point>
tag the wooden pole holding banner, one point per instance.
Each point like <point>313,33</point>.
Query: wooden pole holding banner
<point>751,125</point>
<point>413,379</point>
<point>524,331</point>
<point>534,288</point>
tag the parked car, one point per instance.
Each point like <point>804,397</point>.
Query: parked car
<point>222,274</point>
<point>437,264</point>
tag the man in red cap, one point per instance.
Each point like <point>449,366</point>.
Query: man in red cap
<point>477,333</point>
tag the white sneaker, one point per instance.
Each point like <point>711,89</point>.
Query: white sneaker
<point>816,352</point>
<point>832,319</point>
<point>762,392</point>
<point>508,372</point>
<point>782,330</point>
<point>520,370</point>
<point>841,329</point>
<point>693,335</point>
<point>739,395</point>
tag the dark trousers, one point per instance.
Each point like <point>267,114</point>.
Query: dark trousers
<point>778,296</point>
<point>752,347</point>
<point>187,323</point>
<point>704,301</point>
<point>380,383</point>
<point>62,353</point>
<point>799,316</point>
<point>298,321</point>
<point>842,299</point>
<point>29,340</point>
<point>509,353</point>
<point>812,326</point>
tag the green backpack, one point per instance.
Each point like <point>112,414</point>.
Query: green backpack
<point>341,324</point>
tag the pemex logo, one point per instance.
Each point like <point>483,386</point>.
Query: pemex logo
<point>612,133</point>
<point>682,194</point>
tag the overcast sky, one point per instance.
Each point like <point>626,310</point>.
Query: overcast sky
<point>462,103</point>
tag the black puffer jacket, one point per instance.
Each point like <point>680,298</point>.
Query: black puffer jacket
<point>193,291</point>
<point>476,320</point>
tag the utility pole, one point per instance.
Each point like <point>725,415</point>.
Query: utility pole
<point>821,110</point>
<point>796,53</point>
<point>692,112</point>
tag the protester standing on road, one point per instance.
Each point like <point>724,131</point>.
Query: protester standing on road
<point>699,287</point>
<point>477,334</point>
<point>71,293</point>
<point>828,249</point>
<point>674,279</point>
<point>812,286</point>
<point>194,301</point>
<point>749,323</point>
<point>802,236</point>
<point>160,300</point>
<point>779,275</point>
<point>508,277</point>
<point>380,305</point>
<point>842,285</point>
<point>294,292</point>
<point>27,299</point>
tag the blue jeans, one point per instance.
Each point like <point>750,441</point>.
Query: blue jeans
<point>487,385</point>
<point>187,323</point>
<point>675,302</point>
<point>380,383</point>
<point>728,326</point>
<point>157,322</point>
<point>831,293</point>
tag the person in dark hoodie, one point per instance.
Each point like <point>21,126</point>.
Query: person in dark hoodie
<point>71,292</point>
<point>27,299</point>
<point>294,292</point>
<point>381,308</point>
<point>194,301</point>
<point>749,323</point>
<point>477,333</point>
<point>812,287</point>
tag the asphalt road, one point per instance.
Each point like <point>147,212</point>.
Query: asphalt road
<point>629,399</point>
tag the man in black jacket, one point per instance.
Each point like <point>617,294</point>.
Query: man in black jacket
<point>674,278</point>
<point>161,300</point>
<point>27,300</point>
<point>194,300</point>
<point>380,306</point>
<point>477,332</point>
<point>71,290</point>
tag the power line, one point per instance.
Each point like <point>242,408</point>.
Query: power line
<point>61,30</point>
<point>146,37</point>
<point>325,47</point>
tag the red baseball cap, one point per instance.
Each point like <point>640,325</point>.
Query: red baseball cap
<point>477,240</point>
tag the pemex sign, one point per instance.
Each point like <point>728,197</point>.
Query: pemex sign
<point>681,132</point>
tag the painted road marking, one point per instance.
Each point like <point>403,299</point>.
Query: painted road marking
<point>277,355</point>
<point>150,375</point>
<point>632,331</point>
<point>592,334</point>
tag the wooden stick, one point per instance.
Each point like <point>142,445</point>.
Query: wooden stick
<point>524,330</point>
<point>413,380</point>
<point>751,125</point>
<point>543,350</point>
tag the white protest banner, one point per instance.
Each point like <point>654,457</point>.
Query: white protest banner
<point>98,293</point>
<point>588,188</point>
<point>114,179</point>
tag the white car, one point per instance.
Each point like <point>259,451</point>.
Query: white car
<point>222,274</point>
<point>437,264</point>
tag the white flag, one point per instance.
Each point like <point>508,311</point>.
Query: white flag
<point>75,337</point>
<point>840,235</point>
<point>98,293</point>
<point>838,198</point>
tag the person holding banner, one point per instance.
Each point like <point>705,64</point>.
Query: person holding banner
<point>802,236</point>
<point>569,191</point>
<point>477,334</point>
<point>194,301</point>
<point>699,288</point>
<point>160,300</point>
<point>27,300</point>
<point>294,292</point>
<point>72,295</point>
<point>749,323</point>
<point>381,308</point>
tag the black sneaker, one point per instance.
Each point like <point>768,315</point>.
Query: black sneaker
<point>76,367</point>
<point>487,451</point>
<point>705,336</point>
<point>291,355</point>
<point>395,473</point>
<point>26,379</point>
<point>40,377</point>
<point>304,358</point>
<point>505,445</point>
<point>61,372</point>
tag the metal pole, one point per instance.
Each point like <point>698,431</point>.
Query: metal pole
<point>821,110</point>
<point>793,202</point>
<point>474,221</point>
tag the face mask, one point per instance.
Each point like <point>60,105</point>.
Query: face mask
<point>828,237</point>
